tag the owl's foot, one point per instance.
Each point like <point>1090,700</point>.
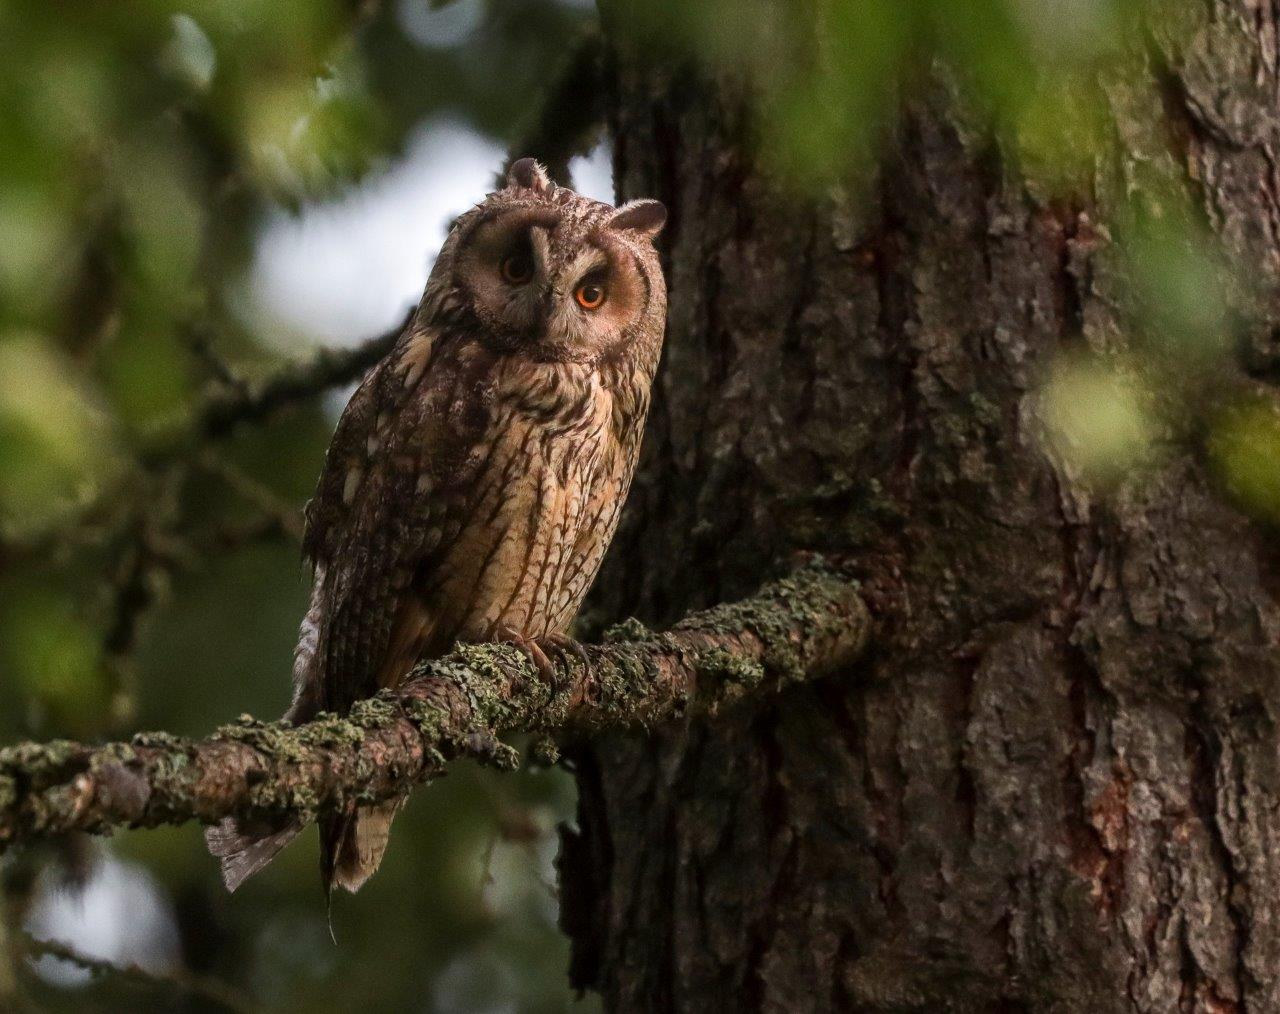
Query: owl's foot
<point>504,634</point>
<point>567,646</point>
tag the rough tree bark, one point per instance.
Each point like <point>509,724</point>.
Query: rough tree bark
<point>1053,786</point>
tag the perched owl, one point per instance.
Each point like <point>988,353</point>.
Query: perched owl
<point>477,474</point>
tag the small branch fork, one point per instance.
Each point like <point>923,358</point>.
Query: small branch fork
<point>795,629</point>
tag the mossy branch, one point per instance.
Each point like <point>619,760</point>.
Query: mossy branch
<point>459,706</point>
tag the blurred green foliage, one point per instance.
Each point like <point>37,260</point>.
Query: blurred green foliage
<point>1100,417</point>
<point>142,146</point>
<point>827,90</point>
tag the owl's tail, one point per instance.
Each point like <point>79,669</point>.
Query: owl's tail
<point>245,846</point>
<point>351,848</point>
<point>352,845</point>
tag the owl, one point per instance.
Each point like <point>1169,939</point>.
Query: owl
<point>476,475</point>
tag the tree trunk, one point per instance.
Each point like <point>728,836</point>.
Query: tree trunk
<point>1053,785</point>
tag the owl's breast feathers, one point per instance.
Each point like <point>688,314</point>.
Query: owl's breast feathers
<point>463,490</point>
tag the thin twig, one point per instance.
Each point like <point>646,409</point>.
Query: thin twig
<point>135,589</point>
<point>214,418</point>
<point>87,523</point>
<point>200,339</point>
<point>276,512</point>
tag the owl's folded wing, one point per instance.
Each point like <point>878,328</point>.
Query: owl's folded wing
<point>392,495</point>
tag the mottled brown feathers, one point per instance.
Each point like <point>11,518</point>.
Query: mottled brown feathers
<point>477,474</point>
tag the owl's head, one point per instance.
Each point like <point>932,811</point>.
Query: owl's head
<point>548,273</point>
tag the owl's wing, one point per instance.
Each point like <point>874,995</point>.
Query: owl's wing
<point>390,499</point>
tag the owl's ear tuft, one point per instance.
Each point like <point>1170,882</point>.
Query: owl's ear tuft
<point>645,216</point>
<point>529,175</point>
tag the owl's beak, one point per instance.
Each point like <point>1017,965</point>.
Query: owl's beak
<point>547,300</point>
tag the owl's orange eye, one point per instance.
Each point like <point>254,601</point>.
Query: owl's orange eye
<point>590,296</point>
<point>517,268</point>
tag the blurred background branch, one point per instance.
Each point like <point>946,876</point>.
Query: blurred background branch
<point>171,985</point>
<point>322,371</point>
<point>568,121</point>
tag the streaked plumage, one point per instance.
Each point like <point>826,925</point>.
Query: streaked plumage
<point>477,474</point>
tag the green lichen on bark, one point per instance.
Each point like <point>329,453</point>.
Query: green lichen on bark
<point>329,733</point>
<point>32,758</point>
<point>428,720</point>
<point>173,774</point>
<point>156,740</point>
<point>544,751</point>
<point>488,672</point>
<point>785,617</point>
<point>631,675</point>
<point>730,677</point>
<point>487,749</point>
<point>629,629</point>
<point>273,739</point>
<point>114,753</point>
<point>298,798</point>
<point>373,713</point>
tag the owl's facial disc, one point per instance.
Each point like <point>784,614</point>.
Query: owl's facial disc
<point>558,280</point>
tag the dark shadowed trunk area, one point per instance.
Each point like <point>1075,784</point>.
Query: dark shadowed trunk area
<point>1053,785</point>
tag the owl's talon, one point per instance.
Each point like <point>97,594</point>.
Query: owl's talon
<point>567,645</point>
<point>528,647</point>
<point>544,664</point>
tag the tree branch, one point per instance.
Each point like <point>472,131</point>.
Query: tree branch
<point>292,382</point>
<point>792,630</point>
<point>215,417</point>
<point>568,120</point>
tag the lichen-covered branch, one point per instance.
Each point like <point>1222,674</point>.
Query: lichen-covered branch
<point>459,706</point>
